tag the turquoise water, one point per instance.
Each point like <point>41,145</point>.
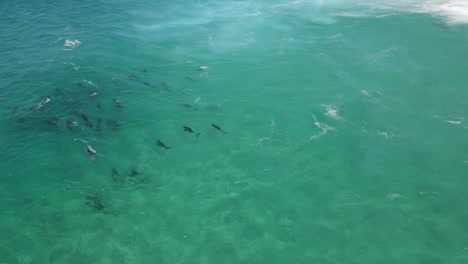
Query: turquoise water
<point>346,125</point>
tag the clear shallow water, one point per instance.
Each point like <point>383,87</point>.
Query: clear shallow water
<point>346,140</point>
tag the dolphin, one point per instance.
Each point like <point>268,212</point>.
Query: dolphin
<point>70,123</point>
<point>113,124</point>
<point>218,128</point>
<point>116,176</point>
<point>96,202</point>
<point>53,121</point>
<point>90,151</point>
<point>190,78</point>
<point>189,106</point>
<point>166,86</point>
<point>188,129</point>
<point>133,78</point>
<point>118,104</point>
<point>43,101</point>
<point>86,119</point>
<point>99,124</point>
<point>161,144</point>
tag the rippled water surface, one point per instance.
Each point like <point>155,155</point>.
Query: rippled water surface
<point>323,131</point>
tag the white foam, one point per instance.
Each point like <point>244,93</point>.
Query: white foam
<point>272,131</point>
<point>364,92</point>
<point>339,35</point>
<point>430,194</point>
<point>74,66</point>
<point>454,11</point>
<point>322,126</point>
<point>332,112</point>
<point>89,82</point>
<point>453,122</point>
<point>204,68</point>
<point>383,134</point>
<point>393,196</point>
<point>386,53</point>
<point>72,43</point>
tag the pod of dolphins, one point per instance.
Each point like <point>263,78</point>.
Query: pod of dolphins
<point>93,200</point>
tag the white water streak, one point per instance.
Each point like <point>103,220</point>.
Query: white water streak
<point>322,126</point>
